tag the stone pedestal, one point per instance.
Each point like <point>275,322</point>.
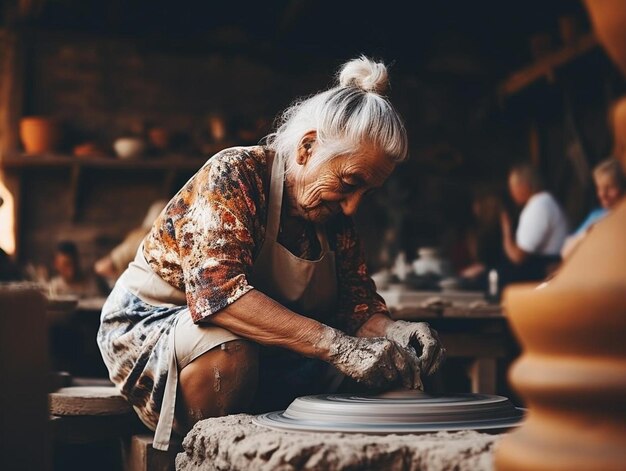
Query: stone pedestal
<point>235,443</point>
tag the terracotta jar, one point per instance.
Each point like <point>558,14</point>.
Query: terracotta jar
<point>40,134</point>
<point>572,374</point>
<point>160,138</point>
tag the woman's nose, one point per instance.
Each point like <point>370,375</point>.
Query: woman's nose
<point>350,203</point>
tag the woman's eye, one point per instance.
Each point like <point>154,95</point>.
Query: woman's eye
<point>349,186</point>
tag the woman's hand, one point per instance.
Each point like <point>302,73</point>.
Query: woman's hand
<point>420,337</point>
<point>374,361</point>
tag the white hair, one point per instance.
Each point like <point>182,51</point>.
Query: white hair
<point>344,117</point>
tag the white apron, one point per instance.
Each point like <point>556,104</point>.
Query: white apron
<point>308,287</point>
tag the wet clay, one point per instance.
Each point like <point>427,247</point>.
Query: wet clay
<point>376,362</point>
<point>235,443</point>
<point>420,337</point>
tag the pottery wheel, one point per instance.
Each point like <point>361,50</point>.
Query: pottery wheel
<point>395,412</point>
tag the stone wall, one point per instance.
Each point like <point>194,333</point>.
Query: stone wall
<point>460,135</point>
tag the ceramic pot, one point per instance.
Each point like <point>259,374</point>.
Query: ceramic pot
<point>160,138</point>
<point>572,374</point>
<point>429,262</point>
<point>607,18</point>
<point>129,147</point>
<point>40,134</point>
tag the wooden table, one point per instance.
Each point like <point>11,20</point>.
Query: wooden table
<point>468,327</point>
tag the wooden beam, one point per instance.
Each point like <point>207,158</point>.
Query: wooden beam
<point>546,66</point>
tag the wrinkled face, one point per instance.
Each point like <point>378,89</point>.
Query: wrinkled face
<point>520,191</point>
<point>607,189</point>
<point>65,266</point>
<point>338,185</point>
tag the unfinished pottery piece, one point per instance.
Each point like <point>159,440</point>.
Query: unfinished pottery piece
<point>396,412</point>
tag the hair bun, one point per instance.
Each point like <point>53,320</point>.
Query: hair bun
<point>365,74</point>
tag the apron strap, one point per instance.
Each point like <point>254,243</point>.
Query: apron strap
<point>320,230</point>
<point>163,431</point>
<point>277,181</point>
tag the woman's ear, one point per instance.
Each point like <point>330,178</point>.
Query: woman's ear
<point>305,148</point>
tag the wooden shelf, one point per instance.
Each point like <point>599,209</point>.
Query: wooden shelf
<point>170,165</point>
<point>545,67</point>
<point>170,162</point>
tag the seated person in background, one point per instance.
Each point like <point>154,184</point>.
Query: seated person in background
<point>112,265</point>
<point>483,240</point>
<point>70,279</point>
<point>610,186</point>
<point>541,230</point>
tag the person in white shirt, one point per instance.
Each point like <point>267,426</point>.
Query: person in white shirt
<point>541,231</point>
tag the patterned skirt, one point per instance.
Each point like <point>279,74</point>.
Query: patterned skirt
<point>134,340</point>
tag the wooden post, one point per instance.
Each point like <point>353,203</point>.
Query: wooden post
<point>24,439</point>
<point>11,93</point>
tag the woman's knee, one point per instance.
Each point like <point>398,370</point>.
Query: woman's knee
<point>222,380</point>
<point>236,374</point>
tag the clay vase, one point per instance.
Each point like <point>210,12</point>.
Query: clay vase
<point>160,138</point>
<point>572,374</point>
<point>607,18</point>
<point>40,134</point>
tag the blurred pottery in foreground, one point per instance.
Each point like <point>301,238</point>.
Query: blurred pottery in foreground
<point>40,134</point>
<point>572,375</point>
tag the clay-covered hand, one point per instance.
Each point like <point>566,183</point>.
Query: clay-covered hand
<point>375,361</point>
<point>419,336</point>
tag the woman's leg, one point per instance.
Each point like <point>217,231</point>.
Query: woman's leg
<point>219,382</point>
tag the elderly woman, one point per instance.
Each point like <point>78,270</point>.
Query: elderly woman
<point>610,186</point>
<point>251,288</point>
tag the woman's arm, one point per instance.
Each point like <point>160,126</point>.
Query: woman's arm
<point>259,318</point>
<point>513,252</point>
<point>376,326</point>
<point>375,361</point>
<point>571,243</point>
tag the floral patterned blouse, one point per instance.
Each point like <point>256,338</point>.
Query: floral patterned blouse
<point>206,240</point>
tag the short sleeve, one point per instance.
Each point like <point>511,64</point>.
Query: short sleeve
<point>533,227</point>
<point>591,219</point>
<point>358,300</point>
<point>215,235</point>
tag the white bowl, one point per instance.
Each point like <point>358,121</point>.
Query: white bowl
<point>129,147</point>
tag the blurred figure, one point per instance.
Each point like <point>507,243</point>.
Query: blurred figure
<point>534,250</point>
<point>484,240</point>
<point>70,279</point>
<point>112,265</point>
<point>610,186</point>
